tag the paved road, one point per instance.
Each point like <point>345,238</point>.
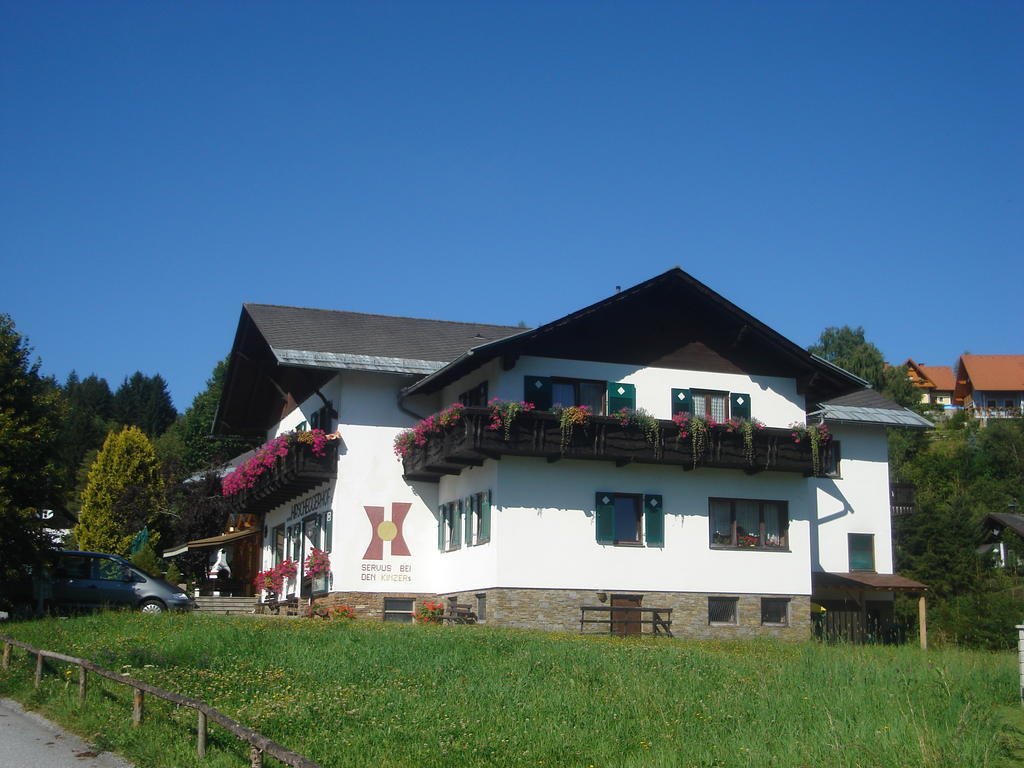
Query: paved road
<point>30,741</point>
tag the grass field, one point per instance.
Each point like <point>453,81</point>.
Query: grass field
<point>374,694</point>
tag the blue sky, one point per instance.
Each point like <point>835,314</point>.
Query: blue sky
<point>816,163</point>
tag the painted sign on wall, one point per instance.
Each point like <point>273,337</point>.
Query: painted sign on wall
<point>386,534</point>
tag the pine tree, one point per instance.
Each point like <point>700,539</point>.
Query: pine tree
<point>31,409</point>
<point>144,402</point>
<point>86,424</point>
<point>124,492</point>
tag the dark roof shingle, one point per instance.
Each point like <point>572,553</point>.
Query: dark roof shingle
<point>356,333</point>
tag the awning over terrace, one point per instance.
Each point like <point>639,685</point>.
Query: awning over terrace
<point>857,583</point>
<point>879,582</point>
<point>211,542</point>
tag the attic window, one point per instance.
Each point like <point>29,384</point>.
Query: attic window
<point>475,397</point>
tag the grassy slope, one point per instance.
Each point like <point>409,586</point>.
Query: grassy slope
<point>358,694</point>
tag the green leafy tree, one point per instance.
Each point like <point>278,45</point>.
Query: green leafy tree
<point>144,402</point>
<point>123,494</point>
<point>849,349</point>
<point>31,410</point>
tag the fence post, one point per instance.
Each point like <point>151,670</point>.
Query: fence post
<point>1020,657</point>
<point>201,735</point>
<point>255,757</point>
<point>7,655</point>
<point>82,672</point>
<point>39,669</point>
<point>137,706</point>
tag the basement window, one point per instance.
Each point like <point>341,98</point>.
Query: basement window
<point>398,609</point>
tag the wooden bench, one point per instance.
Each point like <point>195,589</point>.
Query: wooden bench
<point>660,620</point>
<point>458,614</point>
<point>273,606</point>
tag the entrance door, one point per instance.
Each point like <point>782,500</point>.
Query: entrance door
<point>310,539</point>
<point>626,622</point>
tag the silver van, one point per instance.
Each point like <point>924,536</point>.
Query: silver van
<point>94,580</point>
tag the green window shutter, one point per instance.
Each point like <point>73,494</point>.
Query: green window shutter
<point>604,505</point>
<point>457,523</point>
<point>739,405</point>
<point>469,506</point>
<point>682,402</point>
<point>621,396</point>
<point>537,390</point>
<point>654,521</point>
<point>441,513</point>
<point>328,529</point>
<point>484,534</point>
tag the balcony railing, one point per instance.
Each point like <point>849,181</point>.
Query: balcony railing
<point>537,434</point>
<point>902,498</point>
<point>290,477</point>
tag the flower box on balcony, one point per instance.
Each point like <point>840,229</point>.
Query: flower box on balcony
<point>470,440</point>
<point>294,468</point>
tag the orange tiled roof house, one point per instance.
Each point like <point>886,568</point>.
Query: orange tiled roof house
<point>990,386</point>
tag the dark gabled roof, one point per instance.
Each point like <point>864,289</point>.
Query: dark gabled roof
<point>290,330</point>
<point>290,352</point>
<point>865,398</point>
<point>672,320</point>
<point>281,355</point>
<point>1000,520</point>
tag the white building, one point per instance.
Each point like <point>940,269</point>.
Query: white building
<point>529,529</point>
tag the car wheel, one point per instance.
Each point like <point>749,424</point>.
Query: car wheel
<point>152,606</point>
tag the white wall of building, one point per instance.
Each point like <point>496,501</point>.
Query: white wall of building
<point>774,400</point>
<point>855,502</point>
<point>369,475</point>
<point>543,520</point>
<point>545,530</point>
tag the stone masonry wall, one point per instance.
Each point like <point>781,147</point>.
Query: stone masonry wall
<point>559,610</point>
<point>370,605</point>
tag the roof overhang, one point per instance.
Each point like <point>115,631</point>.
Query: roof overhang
<point>211,542</point>
<point>334,361</point>
<point>865,581</point>
<point>885,417</point>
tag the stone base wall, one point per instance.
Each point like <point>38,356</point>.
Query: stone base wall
<point>370,605</point>
<point>559,610</point>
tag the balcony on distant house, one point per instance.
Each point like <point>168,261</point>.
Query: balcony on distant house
<point>290,476</point>
<point>902,498</point>
<point>537,434</point>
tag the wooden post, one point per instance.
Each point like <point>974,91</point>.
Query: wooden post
<point>82,673</point>
<point>1020,658</point>
<point>922,621</point>
<point>7,655</point>
<point>137,706</point>
<point>201,735</point>
<point>255,758</point>
<point>39,669</point>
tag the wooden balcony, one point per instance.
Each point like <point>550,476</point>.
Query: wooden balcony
<point>290,477</point>
<point>536,434</point>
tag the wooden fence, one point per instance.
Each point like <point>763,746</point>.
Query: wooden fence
<point>258,744</point>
